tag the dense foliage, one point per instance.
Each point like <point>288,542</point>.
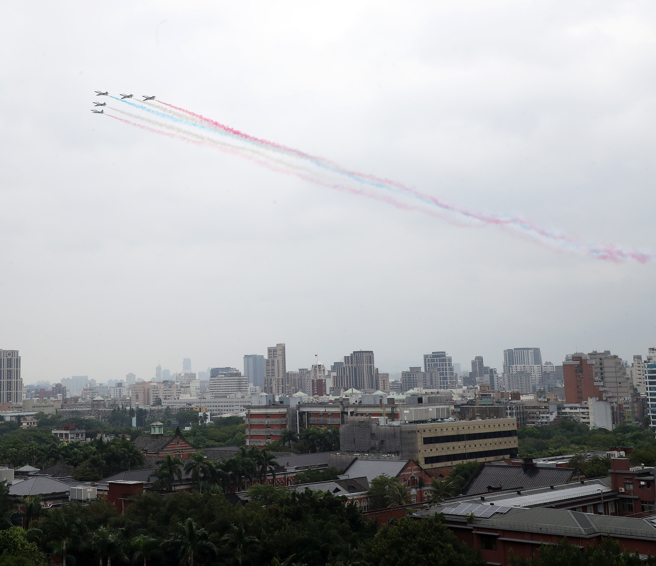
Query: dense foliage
<point>569,437</point>
<point>565,554</point>
<point>275,527</point>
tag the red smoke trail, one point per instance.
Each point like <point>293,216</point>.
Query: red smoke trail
<point>486,218</point>
<point>306,177</point>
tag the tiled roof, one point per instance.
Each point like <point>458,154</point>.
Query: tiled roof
<point>38,486</point>
<point>336,487</point>
<point>59,470</point>
<point>371,469</point>
<point>223,453</point>
<point>149,445</point>
<point>561,522</point>
<point>495,477</point>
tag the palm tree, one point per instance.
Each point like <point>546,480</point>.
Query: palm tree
<point>189,540</point>
<point>168,470</point>
<point>219,474</point>
<point>237,538</point>
<point>61,532</point>
<point>31,510</point>
<point>397,495</point>
<point>105,545</point>
<point>266,462</point>
<point>199,468</point>
<point>441,489</point>
<point>143,549</point>
<point>289,436</point>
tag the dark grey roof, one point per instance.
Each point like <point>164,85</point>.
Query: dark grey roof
<point>146,476</point>
<point>289,460</point>
<point>336,487</point>
<point>38,485</point>
<point>496,477</point>
<point>371,469</point>
<point>561,522</point>
<point>59,470</point>
<point>147,444</point>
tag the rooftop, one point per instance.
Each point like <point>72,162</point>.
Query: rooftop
<point>371,469</point>
<point>499,477</point>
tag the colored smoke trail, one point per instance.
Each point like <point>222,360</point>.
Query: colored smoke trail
<point>306,177</point>
<point>378,182</point>
<point>287,160</point>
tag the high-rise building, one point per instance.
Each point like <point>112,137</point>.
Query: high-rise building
<point>158,373</point>
<point>439,371</point>
<point>11,383</point>
<point>650,381</point>
<point>521,357</point>
<point>358,372</point>
<point>227,383</point>
<point>275,370</point>
<point>254,369</point>
<point>166,375</point>
<point>413,379</point>
<point>130,379</point>
<point>637,374</point>
<point>186,365</point>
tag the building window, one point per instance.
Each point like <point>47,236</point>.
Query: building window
<point>488,542</point>
<point>628,486</point>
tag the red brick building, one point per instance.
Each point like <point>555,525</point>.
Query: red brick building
<point>157,445</point>
<point>579,377</point>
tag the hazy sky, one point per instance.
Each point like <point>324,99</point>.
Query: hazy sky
<point>121,249</point>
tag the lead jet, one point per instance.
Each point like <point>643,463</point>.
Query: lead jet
<point>101,93</point>
<point>97,111</point>
<point>124,96</point>
<point>100,104</point>
<point>147,97</point>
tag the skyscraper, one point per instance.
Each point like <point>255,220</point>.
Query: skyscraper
<point>11,384</point>
<point>521,357</point>
<point>439,371</point>
<point>130,379</point>
<point>254,369</point>
<point>158,373</point>
<point>358,372</point>
<point>275,370</point>
<point>186,365</point>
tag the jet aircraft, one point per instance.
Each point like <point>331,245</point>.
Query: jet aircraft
<point>98,111</point>
<point>100,104</point>
<point>124,96</point>
<point>147,97</point>
<point>101,93</point>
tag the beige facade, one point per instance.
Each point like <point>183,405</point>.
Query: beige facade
<point>275,370</point>
<point>434,445</point>
<point>140,393</point>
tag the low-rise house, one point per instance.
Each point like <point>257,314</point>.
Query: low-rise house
<point>70,433</point>
<point>158,445</point>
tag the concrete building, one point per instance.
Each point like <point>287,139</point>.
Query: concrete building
<point>226,384</point>
<point>603,376</point>
<point>439,371</point>
<point>254,369</point>
<point>140,393</point>
<point>521,356</point>
<point>432,444</point>
<point>186,365</point>
<point>413,379</point>
<point>130,379</point>
<point>11,383</point>
<point>275,370</point>
<point>637,375</point>
<point>650,380</point>
<point>358,372</point>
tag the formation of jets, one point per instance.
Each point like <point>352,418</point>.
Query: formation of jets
<point>123,97</point>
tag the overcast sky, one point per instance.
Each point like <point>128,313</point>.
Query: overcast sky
<point>122,249</point>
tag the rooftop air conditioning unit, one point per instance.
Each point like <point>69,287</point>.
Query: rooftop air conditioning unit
<point>621,490</point>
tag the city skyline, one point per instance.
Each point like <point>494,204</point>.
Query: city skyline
<point>300,362</point>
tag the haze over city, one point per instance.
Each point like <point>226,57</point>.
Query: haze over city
<point>123,249</point>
